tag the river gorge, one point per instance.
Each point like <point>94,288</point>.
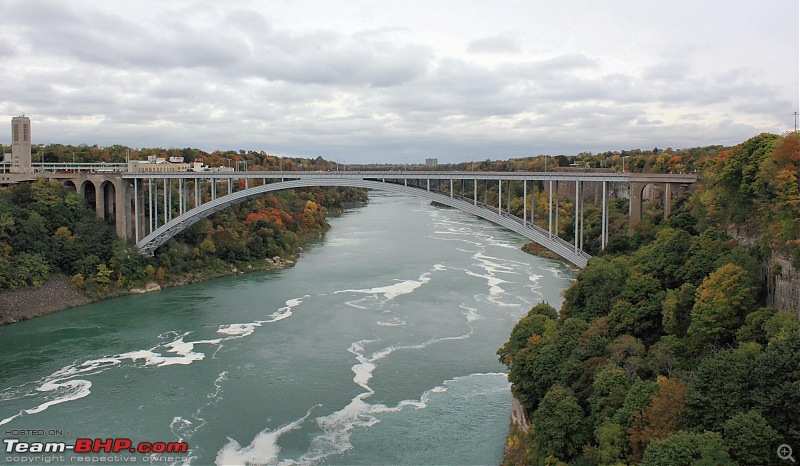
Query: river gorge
<point>377,347</point>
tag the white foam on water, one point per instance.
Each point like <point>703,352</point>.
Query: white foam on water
<point>65,391</point>
<point>471,313</point>
<point>356,304</point>
<point>390,292</point>
<point>492,281</point>
<point>62,386</point>
<point>474,243</point>
<point>243,330</point>
<point>263,449</point>
<point>337,426</point>
<point>184,429</point>
<point>393,322</point>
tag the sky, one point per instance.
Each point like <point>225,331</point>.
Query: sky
<point>400,81</point>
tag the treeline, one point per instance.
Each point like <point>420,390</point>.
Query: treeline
<point>663,351</point>
<point>46,229</point>
<point>655,160</point>
<point>241,159</point>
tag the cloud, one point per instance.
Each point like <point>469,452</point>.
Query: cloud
<point>501,44</point>
<point>382,84</point>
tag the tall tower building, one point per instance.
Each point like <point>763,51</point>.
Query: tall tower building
<point>21,145</point>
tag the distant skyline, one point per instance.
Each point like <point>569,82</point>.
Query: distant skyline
<point>395,81</point>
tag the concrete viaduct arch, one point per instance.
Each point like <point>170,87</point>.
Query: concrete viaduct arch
<point>162,234</point>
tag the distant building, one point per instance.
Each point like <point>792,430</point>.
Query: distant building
<point>21,145</point>
<point>156,165</point>
<point>432,163</point>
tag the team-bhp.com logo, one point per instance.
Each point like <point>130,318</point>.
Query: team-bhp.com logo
<point>88,445</point>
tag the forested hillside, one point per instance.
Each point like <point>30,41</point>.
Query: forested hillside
<point>48,230</point>
<point>663,351</point>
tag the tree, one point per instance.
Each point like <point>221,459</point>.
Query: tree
<point>30,269</point>
<point>531,324</point>
<point>611,442</point>
<point>665,257</point>
<point>720,387</point>
<point>676,309</point>
<point>627,351</point>
<point>637,310</point>
<point>558,426</point>
<point>596,286</point>
<point>774,384</point>
<point>661,418</point>
<point>750,439</point>
<point>706,449</point>
<point>636,401</point>
<point>753,328</point>
<point>722,300</point>
<point>608,391</point>
<point>665,355</point>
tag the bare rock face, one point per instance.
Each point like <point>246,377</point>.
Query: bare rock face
<point>150,287</point>
<point>782,277</point>
<point>783,283</point>
<point>518,415</point>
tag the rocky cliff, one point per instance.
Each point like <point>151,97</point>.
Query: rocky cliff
<point>780,274</point>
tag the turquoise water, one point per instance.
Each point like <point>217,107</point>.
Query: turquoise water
<point>378,347</point>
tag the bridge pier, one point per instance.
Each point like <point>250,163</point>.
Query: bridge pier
<point>636,198</point>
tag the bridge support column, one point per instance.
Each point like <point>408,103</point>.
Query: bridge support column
<point>99,200</point>
<point>508,198</point>
<point>667,199</point>
<point>475,192</point>
<point>550,211</point>
<point>556,231</point>
<point>150,202</point>
<point>577,208</point>
<point>136,210</point>
<point>603,227</point>
<point>499,197</point>
<point>635,208</point>
<point>451,187</point>
<point>166,214</point>
<point>524,202</point>
<point>583,211</point>
<point>122,208</point>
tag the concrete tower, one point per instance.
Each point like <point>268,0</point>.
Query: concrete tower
<point>21,145</point>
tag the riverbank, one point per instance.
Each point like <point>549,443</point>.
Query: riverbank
<point>58,293</point>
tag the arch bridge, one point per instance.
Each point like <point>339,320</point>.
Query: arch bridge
<point>165,204</point>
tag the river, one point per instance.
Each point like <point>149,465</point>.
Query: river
<point>378,347</point>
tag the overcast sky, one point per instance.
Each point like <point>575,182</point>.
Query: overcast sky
<point>394,81</point>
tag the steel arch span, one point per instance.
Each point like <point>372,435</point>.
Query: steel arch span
<point>165,232</point>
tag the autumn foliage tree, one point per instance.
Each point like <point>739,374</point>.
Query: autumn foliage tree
<point>722,301</point>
